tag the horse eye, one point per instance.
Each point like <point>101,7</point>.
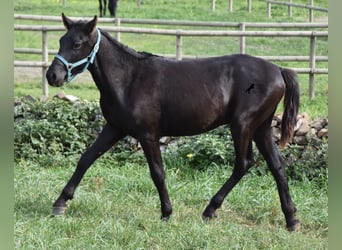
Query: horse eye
<point>77,45</point>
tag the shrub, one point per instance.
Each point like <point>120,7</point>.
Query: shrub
<point>54,127</point>
<point>202,151</point>
<point>216,148</point>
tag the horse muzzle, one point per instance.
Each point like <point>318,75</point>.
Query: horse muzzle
<point>56,74</point>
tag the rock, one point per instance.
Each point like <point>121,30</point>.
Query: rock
<point>301,119</point>
<point>274,123</point>
<point>277,118</point>
<point>276,133</point>
<point>30,98</point>
<point>323,133</point>
<point>317,124</point>
<point>300,140</point>
<point>325,122</point>
<point>61,95</point>
<point>311,134</point>
<point>165,140</point>
<point>303,129</point>
<point>315,141</point>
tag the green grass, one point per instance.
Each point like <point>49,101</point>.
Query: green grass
<point>117,207</point>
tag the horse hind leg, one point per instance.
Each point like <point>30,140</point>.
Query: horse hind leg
<point>276,164</point>
<point>243,161</point>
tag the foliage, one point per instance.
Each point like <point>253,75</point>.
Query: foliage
<point>54,127</point>
<point>307,162</point>
<point>216,148</point>
<point>204,150</point>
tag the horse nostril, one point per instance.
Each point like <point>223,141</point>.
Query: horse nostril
<point>51,77</point>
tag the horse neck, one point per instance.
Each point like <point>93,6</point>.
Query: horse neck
<point>113,68</point>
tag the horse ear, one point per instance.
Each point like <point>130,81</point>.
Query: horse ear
<point>91,25</point>
<point>67,21</point>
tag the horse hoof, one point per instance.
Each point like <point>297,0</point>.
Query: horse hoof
<point>58,210</point>
<point>295,227</point>
<point>165,218</point>
<point>206,218</point>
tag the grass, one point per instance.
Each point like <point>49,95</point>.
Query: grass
<point>117,207</point>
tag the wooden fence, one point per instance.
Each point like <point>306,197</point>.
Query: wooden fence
<point>311,8</point>
<point>230,5</point>
<point>312,58</point>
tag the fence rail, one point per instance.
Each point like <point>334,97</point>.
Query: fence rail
<point>121,21</point>
<point>310,7</point>
<point>179,34</point>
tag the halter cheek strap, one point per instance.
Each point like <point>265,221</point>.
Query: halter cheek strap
<point>88,60</point>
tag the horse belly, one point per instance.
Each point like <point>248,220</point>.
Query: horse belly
<point>185,118</point>
<point>196,102</point>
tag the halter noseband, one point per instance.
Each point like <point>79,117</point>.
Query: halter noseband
<point>87,60</point>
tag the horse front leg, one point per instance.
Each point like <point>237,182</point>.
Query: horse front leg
<point>153,155</point>
<point>106,139</point>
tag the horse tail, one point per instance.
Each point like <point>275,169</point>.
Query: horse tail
<point>291,105</point>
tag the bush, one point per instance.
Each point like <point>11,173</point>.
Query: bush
<point>202,151</point>
<point>216,148</point>
<point>54,127</point>
<point>306,162</point>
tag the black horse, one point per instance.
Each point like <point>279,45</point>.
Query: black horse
<point>147,96</point>
<point>111,7</point>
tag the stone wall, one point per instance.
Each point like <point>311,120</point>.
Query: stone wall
<point>305,131</point>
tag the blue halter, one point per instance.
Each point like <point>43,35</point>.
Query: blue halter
<point>88,60</point>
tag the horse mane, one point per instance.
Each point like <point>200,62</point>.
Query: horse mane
<point>135,54</point>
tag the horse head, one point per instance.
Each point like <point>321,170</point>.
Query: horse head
<point>77,50</point>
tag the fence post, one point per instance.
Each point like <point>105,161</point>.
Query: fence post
<point>312,66</point>
<point>290,9</point>
<point>242,39</point>
<point>311,11</point>
<point>249,5</point>
<point>117,23</point>
<point>269,9</point>
<point>45,58</point>
<point>213,5</point>
<point>139,3</point>
<point>179,47</point>
<point>230,5</point>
